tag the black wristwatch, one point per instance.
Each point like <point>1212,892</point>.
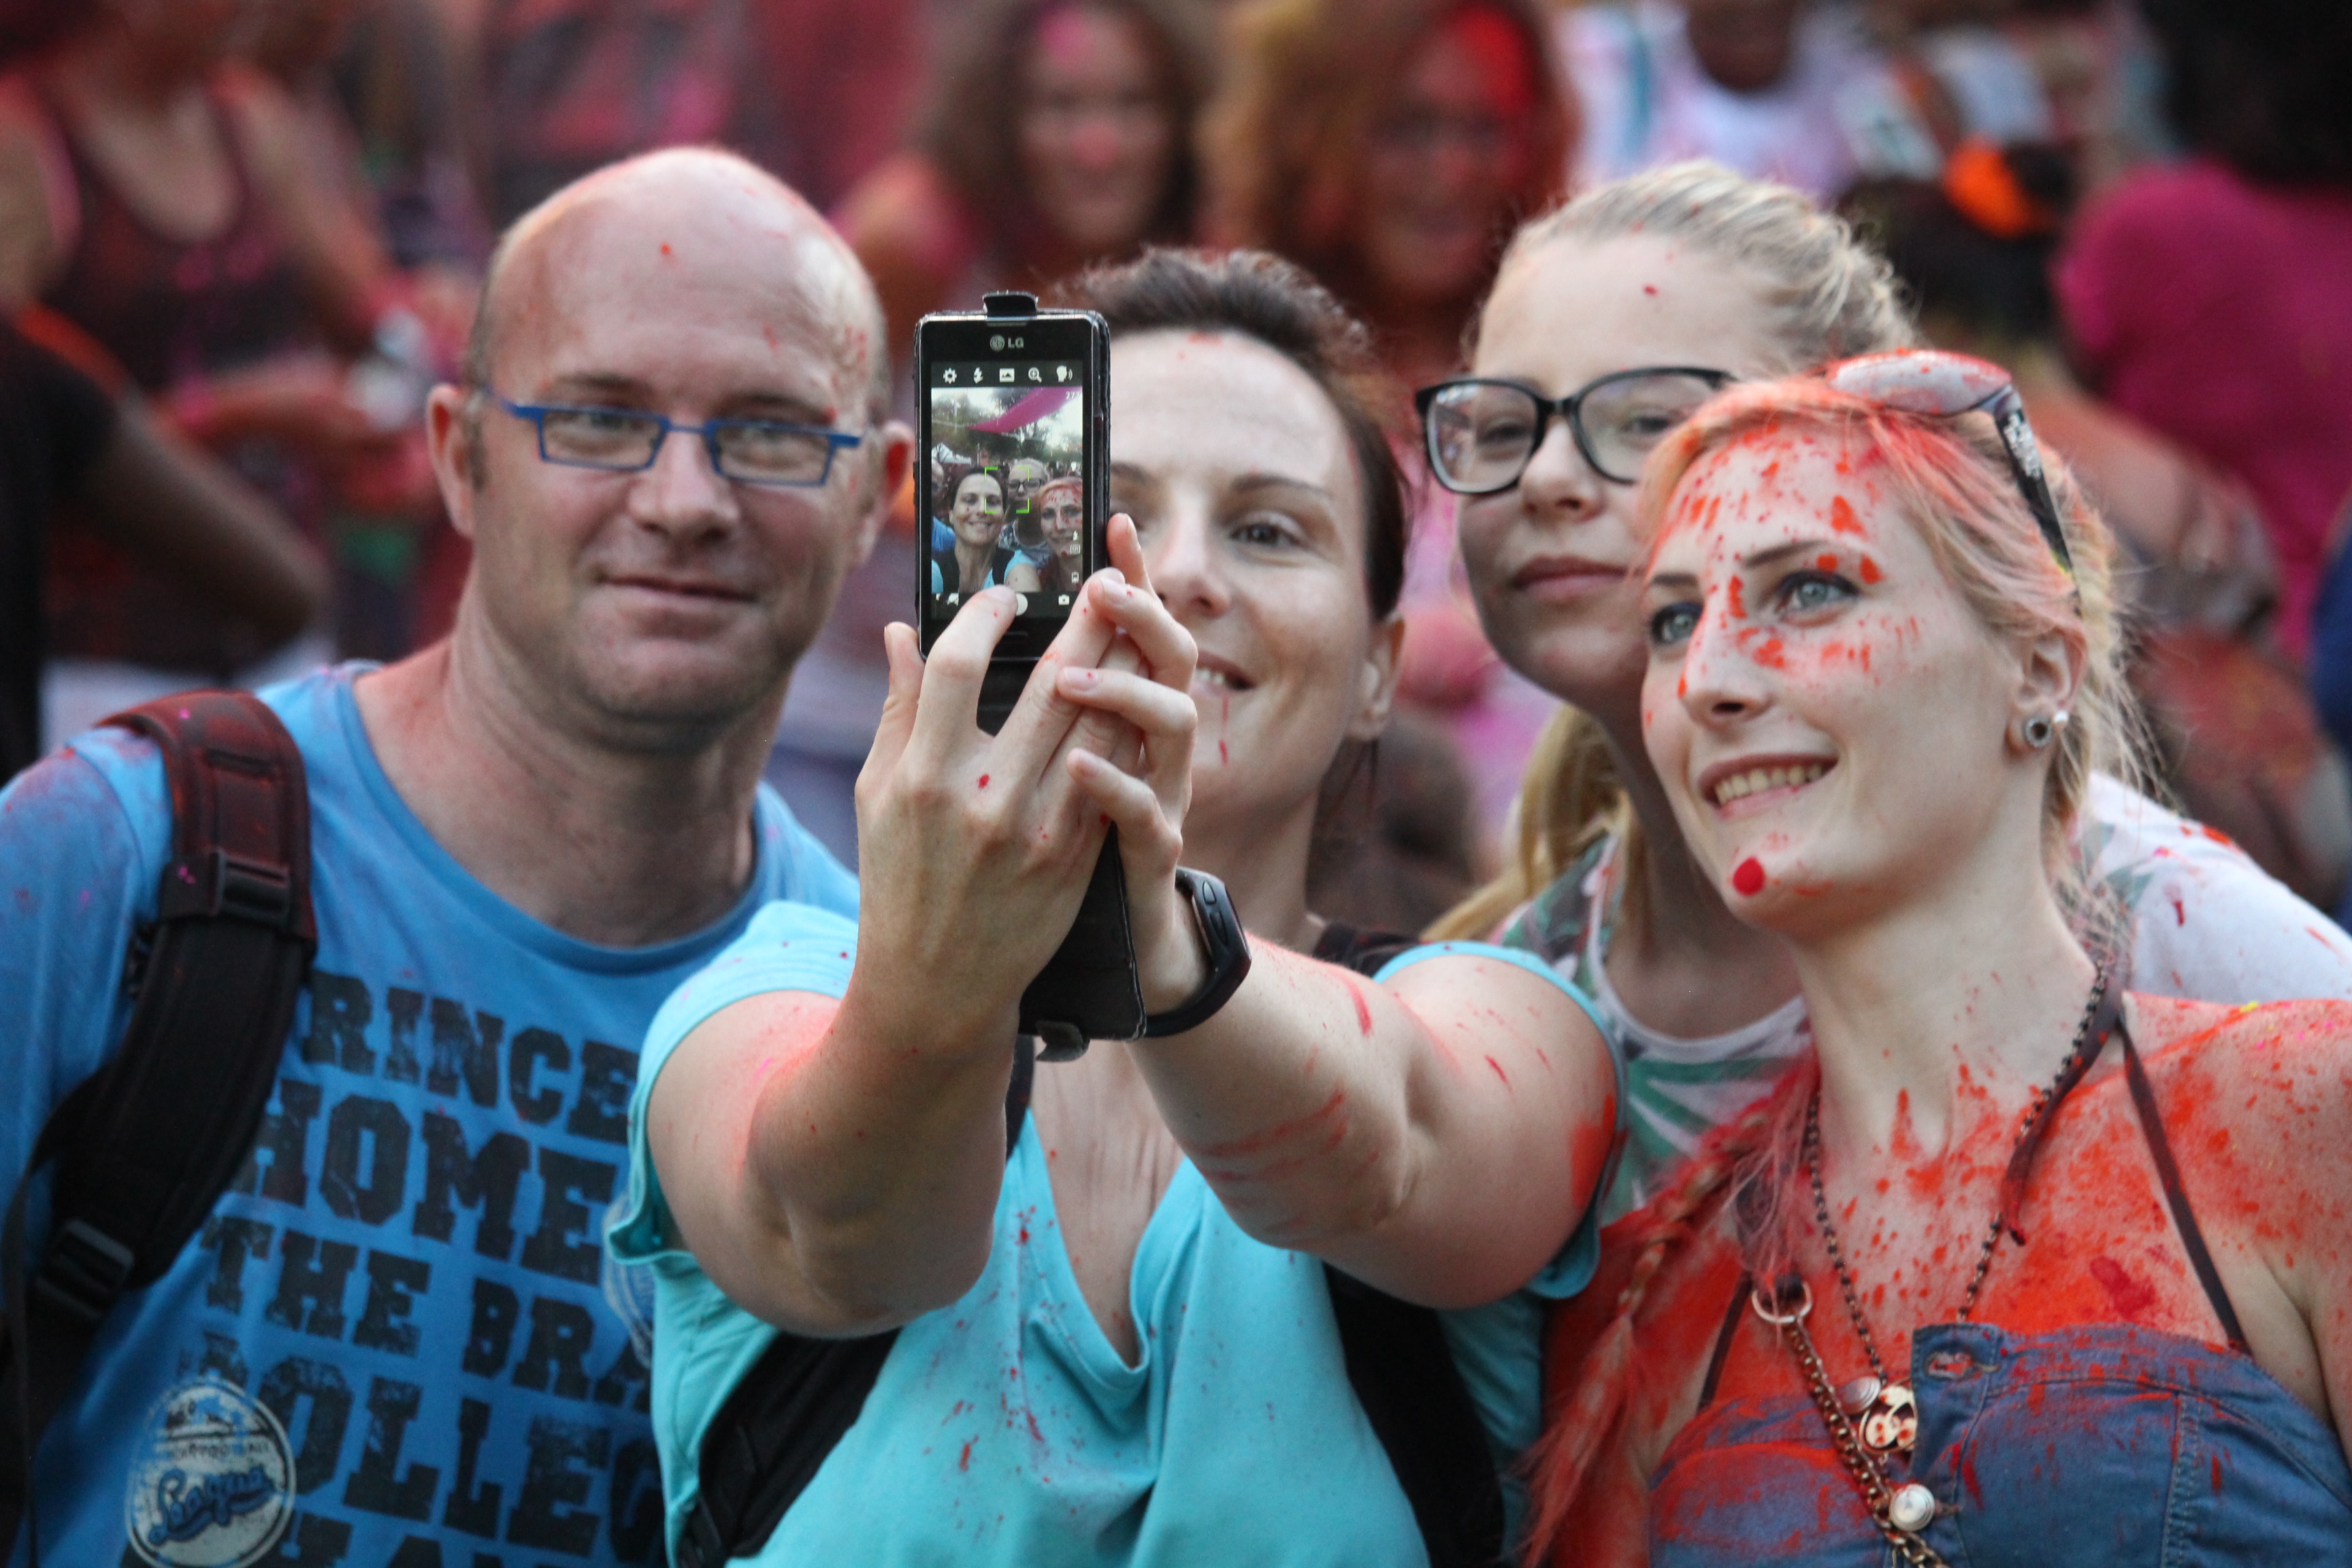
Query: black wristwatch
<point>1222,942</point>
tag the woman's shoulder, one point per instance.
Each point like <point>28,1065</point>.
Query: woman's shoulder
<point>39,201</point>
<point>2206,922</point>
<point>2261,1070</point>
<point>1553,923</point>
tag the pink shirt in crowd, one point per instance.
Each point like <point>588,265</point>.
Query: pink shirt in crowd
<point>2220,312</point>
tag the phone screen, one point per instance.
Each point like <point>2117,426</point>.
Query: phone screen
<point>1008,481</point>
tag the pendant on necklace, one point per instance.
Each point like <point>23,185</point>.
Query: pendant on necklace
<point>1911,1509</point>
<point>1891,1422</point>
<point>1855,1397</point>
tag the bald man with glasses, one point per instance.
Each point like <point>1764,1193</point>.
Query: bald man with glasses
<point>671,444</point>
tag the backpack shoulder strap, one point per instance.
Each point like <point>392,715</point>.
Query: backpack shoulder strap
<point>145,1147</point>
<point>1404,1373</point>
<point>793,1408</point>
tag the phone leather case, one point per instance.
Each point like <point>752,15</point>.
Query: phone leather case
<point>1089,990</point>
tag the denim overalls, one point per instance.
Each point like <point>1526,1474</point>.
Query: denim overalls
<point>2096,1446</point>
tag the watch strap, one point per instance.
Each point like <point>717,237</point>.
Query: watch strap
<point>1222,944</point>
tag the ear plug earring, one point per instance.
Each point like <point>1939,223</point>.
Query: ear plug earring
<point>2039,731</point>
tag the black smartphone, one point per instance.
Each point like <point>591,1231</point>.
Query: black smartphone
<point>1013,406</point>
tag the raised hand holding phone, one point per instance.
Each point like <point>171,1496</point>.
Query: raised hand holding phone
<point>1013,406</point>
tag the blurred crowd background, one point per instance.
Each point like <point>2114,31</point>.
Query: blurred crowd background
<point>252,230</point>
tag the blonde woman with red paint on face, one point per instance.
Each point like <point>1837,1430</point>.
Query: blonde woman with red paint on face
<point>1693,268</point>
<point>2013,1267</point>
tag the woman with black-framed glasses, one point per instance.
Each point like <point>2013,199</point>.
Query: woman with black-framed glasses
<point>1607,320</point>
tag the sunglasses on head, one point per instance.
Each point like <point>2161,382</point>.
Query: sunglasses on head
<point>1944,385</point>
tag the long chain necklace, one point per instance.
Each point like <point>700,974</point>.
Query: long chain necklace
<point>1874,1416</point>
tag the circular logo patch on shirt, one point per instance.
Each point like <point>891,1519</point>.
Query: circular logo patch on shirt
<point>212,1481</point>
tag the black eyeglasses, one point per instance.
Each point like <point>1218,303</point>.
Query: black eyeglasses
<point>1482,433</point>
<point>627,440</point>
<point>1942,384</point>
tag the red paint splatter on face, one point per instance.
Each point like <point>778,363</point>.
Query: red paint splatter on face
<point>1769,654</point>
<point>1842,516</point>
<point>1748,877</point>
<point>1738,600</point>
<point>1825,563</point>
<point>1363,1013</point>
<point>1499,1072</point>
<point>983,781</point>
<point>1649,288</point>
<point>1870,571</point>
<point>665,248</point>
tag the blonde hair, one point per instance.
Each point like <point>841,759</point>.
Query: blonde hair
<point>1952,478</point>
<point>1825,296</point>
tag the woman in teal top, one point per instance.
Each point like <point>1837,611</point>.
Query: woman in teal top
<point>1119,1345</point>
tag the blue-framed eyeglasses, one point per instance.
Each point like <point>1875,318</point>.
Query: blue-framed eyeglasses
<point>627,440</point>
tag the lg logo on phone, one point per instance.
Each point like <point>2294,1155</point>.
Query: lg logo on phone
<point>1000,342</point>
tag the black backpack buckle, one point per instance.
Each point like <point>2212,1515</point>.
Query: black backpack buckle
<point>251,890</point>
<point>82,1273</point>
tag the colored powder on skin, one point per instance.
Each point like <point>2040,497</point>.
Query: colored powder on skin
<point>1748,877</point>
<point>2131,1296</point>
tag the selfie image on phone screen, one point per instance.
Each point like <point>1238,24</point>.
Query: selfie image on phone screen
<point>1008,484</point>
